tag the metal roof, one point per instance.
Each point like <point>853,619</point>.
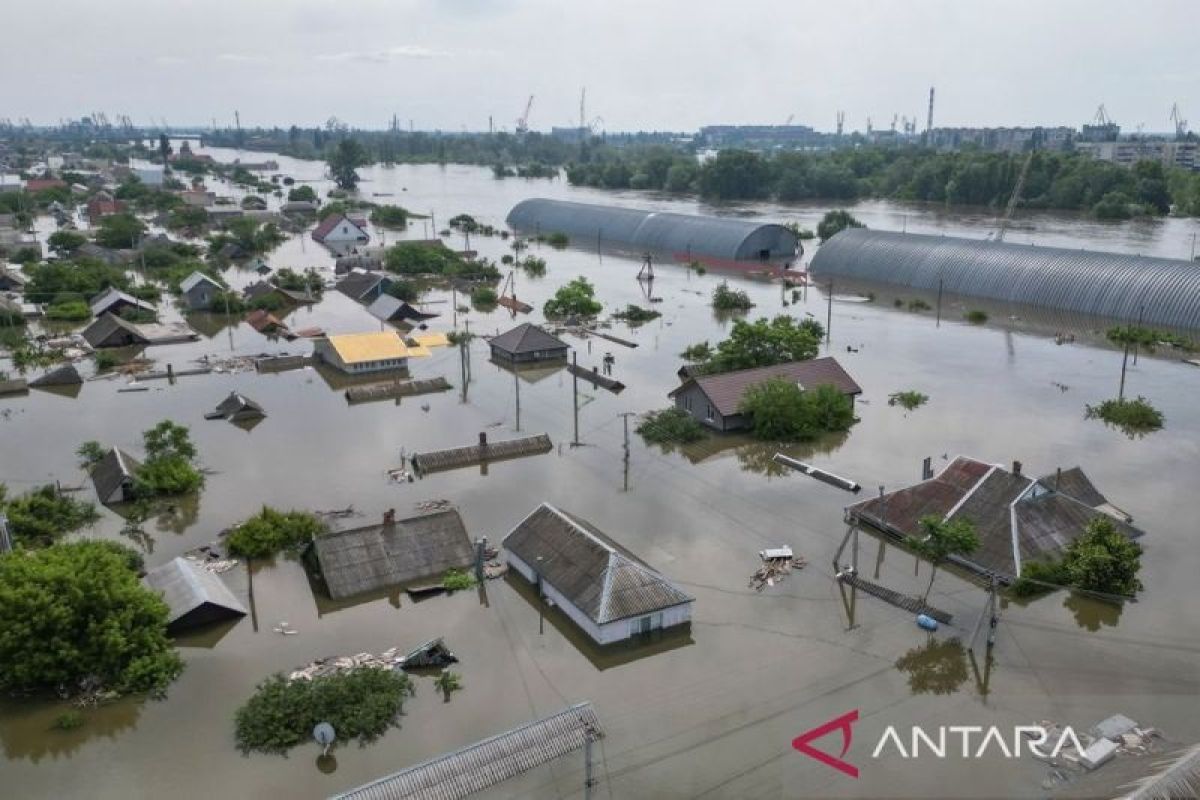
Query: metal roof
<point>526,338</point>
<point>1112,285</point>
<point>725,390</point>
<point>685,234</point>
<point>196,278</point>
<point>358,348</point>
<point>602,579</point>
<point>112,472</point>
<point>114,296</point>
<point>486,763</point>
<point>187,588</point>
<point>378,556</point>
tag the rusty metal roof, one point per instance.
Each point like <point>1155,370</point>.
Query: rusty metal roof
<point>726,389</point>
<point>600,577</point>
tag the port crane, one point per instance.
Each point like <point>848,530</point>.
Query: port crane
<point>523,120</point>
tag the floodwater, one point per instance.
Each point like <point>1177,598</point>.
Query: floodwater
<point>706,712</point>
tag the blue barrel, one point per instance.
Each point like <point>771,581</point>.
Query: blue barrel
<point>927,622</point>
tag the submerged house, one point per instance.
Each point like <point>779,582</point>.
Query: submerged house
<point>606,590</point>
<point>386,308</point>
<point>114,476</point>
<point>715,400</point>
<point>112,331</point>
<point>1017,518</point>
<point>237,408</point>
<point>358,353</point>
<point>340,233</point>
<point>198,291</point>
<point>363,287</point>
<point>392,553</point>
<point>113,300</point>
<point>194,596</point>
<point>526,344</point>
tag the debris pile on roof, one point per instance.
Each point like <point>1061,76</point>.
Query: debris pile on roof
<point>433,653</point>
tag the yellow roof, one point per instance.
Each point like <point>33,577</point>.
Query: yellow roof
<point>432,340</point>
<point>418,351</point>
<point>355,348</point>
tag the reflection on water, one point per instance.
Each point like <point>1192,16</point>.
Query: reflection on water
<point>27,729</point>
<point>937,667</point>
<point>754,455</point>
<point>611,655</point>
<point>1092,614</point>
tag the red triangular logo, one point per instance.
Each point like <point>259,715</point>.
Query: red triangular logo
<point>843,724</point>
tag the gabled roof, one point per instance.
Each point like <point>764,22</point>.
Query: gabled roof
<point>378,556</point>
<point>726,389</point>
<point>356,284</point>
<point>600,577</point>
<point>63,375</point>
<point>194,280</point>
<point>259,289</point>
<point>112,471</point>
<point>527,338</point>
<point>107,325</point>
<point>262,320</point>
<point>388,308</point>
<point>113,296</point>
<point>192,594</point>
<point>330,222</point>
<point>10,277</point>
<point>355,348</point>
<point>237,406</point>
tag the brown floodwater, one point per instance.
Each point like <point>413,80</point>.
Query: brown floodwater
<point>705,712</point>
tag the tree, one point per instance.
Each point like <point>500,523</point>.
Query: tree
<point>726,299</point>
<point>576,299</point>
<point>168,468</point>
<point>270,532</point>
<point>1103,559</point>
<point>40,517</point>
<point>65,242</point>
<point>941,539</point>
<point>835,222</point>
<point>302,193</point>
<point>781,411</point>
<point>344,160</point>
<point>447,683</point>
<point>120,231</point>
<point>394,217</point>
<point>763,343</point>
<point>74,617</point>
<point>164,148</point>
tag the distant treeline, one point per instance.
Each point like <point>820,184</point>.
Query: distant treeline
<point>1055,180</point>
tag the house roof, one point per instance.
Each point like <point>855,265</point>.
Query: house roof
<point>194,280</point>
<point>113,296</point>
<point>63,375</point>
<point>186,587</point>
<point>108,324</point>
<point>600,577</point>
<point>357,284</point>
<point>388,308</point>
<point>527,338</point>
<point>259,289</point>
<point>355,348</point>
<point>725,390</point>
<point>11,277</point>
<point>111,471</point>
<point>377,556</point>
<point>1017,518</point>
<point>330,222</point>
<point>237,406</point>
<point>262,320</point>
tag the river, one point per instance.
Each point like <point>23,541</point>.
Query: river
<point>712,712</point>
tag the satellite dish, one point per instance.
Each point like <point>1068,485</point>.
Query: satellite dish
<point>325,735</point>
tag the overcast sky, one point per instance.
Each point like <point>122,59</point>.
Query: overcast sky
<point>675,64</point>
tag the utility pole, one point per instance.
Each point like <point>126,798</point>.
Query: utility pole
<point>6,544</point>
<point>517,386</point>
<point>575,394</point>
<point>1141,316</point>
<point>829,316</point>
<point>1124,362</point>
<point>939,304</point>
<point>625,419</point>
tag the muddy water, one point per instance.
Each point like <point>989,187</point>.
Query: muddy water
<point>709,712</point>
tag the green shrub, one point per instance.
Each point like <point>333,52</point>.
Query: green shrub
<point>104,360</point>
<point>636,315</point>
<point>918,305</point>
<point>270,532</point>
<point>835,222</point>
<point>726,299</point>
<point>393,217</point>
<point>976,317</point>
<point>484,297</point>
<point>702,351</point>
<point>1133,417</point>
<point>576,299</point>
<point>454,580</point>
<point>558,240</point>
<point>448,682</point>
<point>360,704</point>
<point>532,266</point>
<point>670,426</point>
<point>908,400</point>
<point>780,410</point>
<point>68,721</point>
<point>42,516</point>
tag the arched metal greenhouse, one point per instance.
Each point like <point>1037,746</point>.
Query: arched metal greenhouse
<point>681,235</point>
<point>1164,292</point>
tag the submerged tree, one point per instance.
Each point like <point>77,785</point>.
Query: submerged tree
<point>835,222</point>
<point>941,539</point>
<point>344,160</point>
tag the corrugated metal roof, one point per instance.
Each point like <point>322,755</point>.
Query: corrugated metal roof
<point>600,577</point>
<point>113,296</point>
<point>1115,285</point>
<point>112,471</point>
<point>726,389</point>
<point>196,278</point>
<point>486,763</point>
<point>717,237</point>
<point>356,348</point>
<point>378,556</point>
<point>185,588</point>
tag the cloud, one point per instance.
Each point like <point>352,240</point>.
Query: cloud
<point>241,58</point>
<point>385,55</point>
<point>169,60</point>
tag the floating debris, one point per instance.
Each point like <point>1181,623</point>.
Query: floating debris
<point>777,564</point>
<point>433,505</point>
<point>433,653</point>
<point>285,629</point>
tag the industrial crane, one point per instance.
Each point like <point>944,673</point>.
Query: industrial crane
<point>1102,117</point>
<point>1013,198</point>
<point>1180,122</point>
<point>523,120</point>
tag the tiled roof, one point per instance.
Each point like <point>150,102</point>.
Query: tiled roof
<point>725,390</point>
<point>527,338</point>
<point>602,579</point>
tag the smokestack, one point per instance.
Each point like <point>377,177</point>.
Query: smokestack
<point>929,121</point>
<point>1016,470</point>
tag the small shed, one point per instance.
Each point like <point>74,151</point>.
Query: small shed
<point>392,553</point>
<point>113,300</point>
<point>112,331</point>
<point>527,343</point>
<point>194,596</point>
<point>715,400</point>
<point>198,291</point>
<point>605,589</point>
<point>114,476</point>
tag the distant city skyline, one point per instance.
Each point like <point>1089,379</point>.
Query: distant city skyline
<point>671,65</point>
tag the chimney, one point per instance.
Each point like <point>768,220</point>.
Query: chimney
<point>1057,478</point>
<point>483,438</point>
<point>389,516</point>
<point>1016,470</point>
